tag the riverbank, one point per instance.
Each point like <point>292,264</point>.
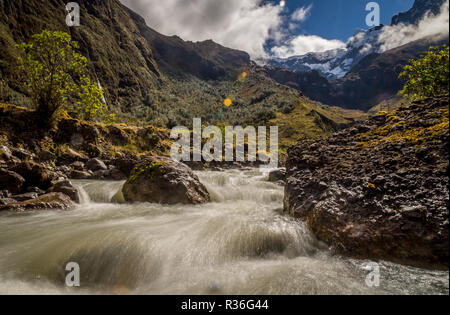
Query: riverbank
<point>378,190</point>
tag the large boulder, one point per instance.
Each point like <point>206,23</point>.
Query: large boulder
<point>35,175</point>
<point>278,175</point>
<point>52,201</point>
<point>162,180</point>
<point>80,175</point>
<point>11,181</point>
<point>70,155</point>
<point>66,187</point>
<point>383,196</point>
<point>96,165</point>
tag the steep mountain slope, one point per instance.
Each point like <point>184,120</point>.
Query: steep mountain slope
<point>149,78</point>
<point>415,14</point>
<point>119,56</point>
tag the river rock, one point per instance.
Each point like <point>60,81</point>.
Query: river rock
<point>11,181</point>
<point>22,154</point>
<point>52,201</point>
<point>80,175</point>
<point>278,175</point>
<point>5,153</point>
<point>71,156</point>
<point>35,174</point>
<point>162,180</point>
<point>378,194</point>
<point>26,196</point>
<point>96,165</point>
<point>46,156</point>
<point>5,201</point>
<point>66,187</point>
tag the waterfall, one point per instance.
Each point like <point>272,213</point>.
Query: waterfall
<point>240,243</point>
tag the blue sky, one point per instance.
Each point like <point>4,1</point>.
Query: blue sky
<point>256,26</point>
<point>338,19</point>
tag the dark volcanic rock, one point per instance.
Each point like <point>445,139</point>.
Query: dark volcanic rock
<point>277,175</point>
<point>164,181</point>
<point>80,175</point>
<point>11,181</point>
<point>96,165</point>
<point>56,201</point>
<point>66,187</point>
<point>34,174</point>
<point>382,193</point>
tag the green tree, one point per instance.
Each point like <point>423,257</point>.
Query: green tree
<point>56,77</point>
<point>427,76</point>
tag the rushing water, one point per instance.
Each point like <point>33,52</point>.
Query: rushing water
<point>240,243</point>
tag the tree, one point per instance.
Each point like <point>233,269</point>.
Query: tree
<point>56,77</point>
<point>427,76</point>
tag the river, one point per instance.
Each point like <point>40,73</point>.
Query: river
<point>240,243</point>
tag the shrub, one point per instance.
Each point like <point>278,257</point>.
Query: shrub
<point>56,76</point>
<point>427,76</point>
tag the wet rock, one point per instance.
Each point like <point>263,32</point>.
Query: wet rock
<point>36,190</point>
<point>80,175</point>
<point>52,201</point>
<point>6,201</point>
<point>162,180</point>
<point>66,187</point>
<point>101,175</point>
<point>117,174</point>
<point>382,196</point>
<point>96,165</point>
<point>79,166</point>
<point>125,164</point>
<point>71,156</point>
<point>26,196</point>
<point>277,175</point>
<point>11,181</point>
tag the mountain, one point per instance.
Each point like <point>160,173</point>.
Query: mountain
<point>416,13</point>
<point>371,81</point>
<point>150,78</point>
<point>335,64</point>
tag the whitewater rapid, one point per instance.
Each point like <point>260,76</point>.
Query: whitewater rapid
<point>240,243</point>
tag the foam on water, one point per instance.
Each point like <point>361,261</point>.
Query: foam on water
<point>240,243</point>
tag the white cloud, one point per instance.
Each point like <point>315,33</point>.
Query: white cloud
<point>301,14</point>
<point>304,44</point>
<point>239,24</point>
<point>398,35</point>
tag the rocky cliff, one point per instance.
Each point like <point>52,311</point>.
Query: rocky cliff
<point>378,190</point>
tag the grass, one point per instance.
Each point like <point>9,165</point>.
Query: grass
<point>398,130</point>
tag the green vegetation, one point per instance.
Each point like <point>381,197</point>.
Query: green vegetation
<point>151,169</point>
<point>55,77</point>
<point>398,129</point>
<point>427,76</point>
<point>310,119</point>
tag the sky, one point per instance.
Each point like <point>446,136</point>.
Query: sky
<point>265,28</point>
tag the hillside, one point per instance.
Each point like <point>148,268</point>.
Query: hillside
<point>148,78</point>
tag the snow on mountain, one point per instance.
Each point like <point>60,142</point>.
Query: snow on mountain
<point>337,63</point>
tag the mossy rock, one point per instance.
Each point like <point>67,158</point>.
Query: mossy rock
<point>162,180</point>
